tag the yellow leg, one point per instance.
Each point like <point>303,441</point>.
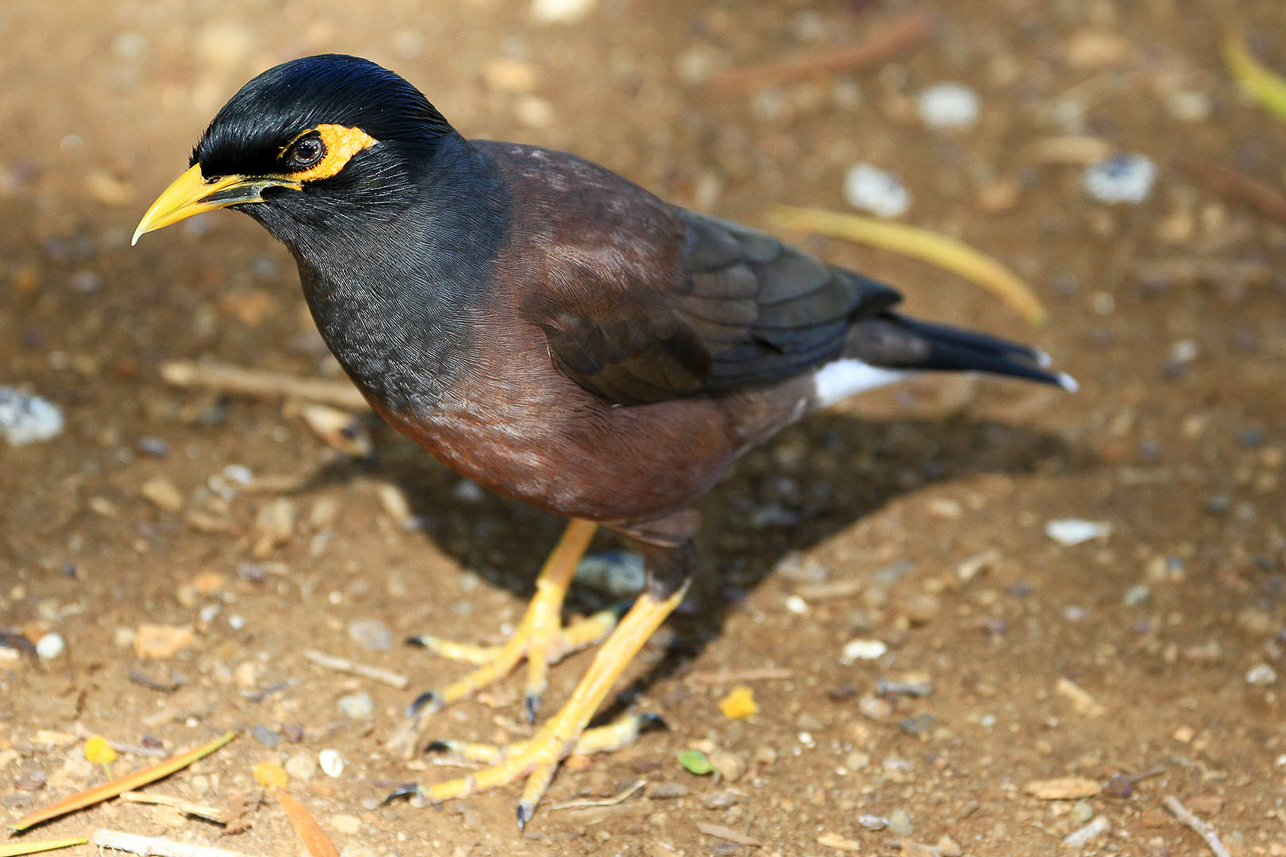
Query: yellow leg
<point>540,638</point>
<point>538,758</point>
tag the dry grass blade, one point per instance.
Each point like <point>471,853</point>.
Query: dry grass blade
<point>36,847</point>
<point>1267,89</point>
<point>940,250</point>
<point>306,827</point>
<point>129,782</point>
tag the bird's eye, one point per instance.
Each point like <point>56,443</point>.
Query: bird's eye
<point>306,152</point>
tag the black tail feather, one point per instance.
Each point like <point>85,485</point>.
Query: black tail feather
<point>895,341</point>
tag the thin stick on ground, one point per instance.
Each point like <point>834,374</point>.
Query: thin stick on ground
<point>344,665</point>
<point>1229,182</point>
<point>186,807</point>
<point>1202,827</point>
<point>899,35</point>
<point>154,847</point>
<point>224,378</point>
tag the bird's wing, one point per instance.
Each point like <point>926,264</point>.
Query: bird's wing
<point>737,309</point>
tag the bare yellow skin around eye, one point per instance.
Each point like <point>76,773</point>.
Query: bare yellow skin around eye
<point>342,144</point>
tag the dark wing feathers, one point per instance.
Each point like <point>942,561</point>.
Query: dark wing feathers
<point>744,310</point>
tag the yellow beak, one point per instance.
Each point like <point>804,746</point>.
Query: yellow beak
<point>191,194</point>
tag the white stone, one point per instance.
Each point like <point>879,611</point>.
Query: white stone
<point>50,646</point>
<point>948,105</point>
<point>331,761</point>
<point>561,11</point>
<point>25,418</point>
<point>863,650</point>
<point>869,188</point>
<point>1120,179</point>
<point>1074,531</point>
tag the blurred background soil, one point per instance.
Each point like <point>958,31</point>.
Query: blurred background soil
<point>915,518</point>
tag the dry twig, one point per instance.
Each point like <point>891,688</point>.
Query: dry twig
<point>223,378</point>
<point>344,665</point>
<point>899,35</point>
<point>155,847</point>
<point>735,676</point>
<point>1225,180</point>
<point>187,807</point>
<point>1202,827</point>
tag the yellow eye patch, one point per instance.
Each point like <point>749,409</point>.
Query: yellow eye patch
<point>341,143</point>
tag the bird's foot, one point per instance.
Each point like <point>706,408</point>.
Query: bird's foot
<point>541,638</point>
<point>565,733</point>
<point>535,759</point>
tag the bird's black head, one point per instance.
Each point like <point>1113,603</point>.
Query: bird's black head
<point>259,131</point>
<point>317,142</point>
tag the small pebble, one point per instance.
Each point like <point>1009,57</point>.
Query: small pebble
<point>331,761</point>
<point>918,726</point>
<point>357,706</point>
<point>1097,827</point>
<point>561,11</point>
<point>875,708</point>
<point>50,646</point>
<point>1261,674</point>
<point>1081,812</point>
<point>916,687</point>
<point>1074,531</point>
<point>1138,595</point>
<point>153,446</point>
<point>1120,179</point>
<point>668,791</point>
<point>796,605</point>
<point>948,105</point>
<point>869,188</point>
<point>863,650</point>
<point>266,737</point>
<point>900,823</point>
<point>718,800</point>
<point>873,822</point>
<point>25,418</point>
<point>360,850</point>
<point>616,574</point>
<point>371,634</point>
<point>345,823</point>
<point>301,766</point>
<point>467,491</point>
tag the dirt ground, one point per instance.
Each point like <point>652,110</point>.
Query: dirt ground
<point>914,517</point>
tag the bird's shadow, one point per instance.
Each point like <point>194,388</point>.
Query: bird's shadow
<point>810,482</point>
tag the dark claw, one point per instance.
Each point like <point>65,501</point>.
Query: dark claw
<point>407,791</point>
<point>525,812</point>
<point>417,640</point>
<point>438,747</point>
<point>429,699</point>
<point>531,704</point>
<point>649,722</point>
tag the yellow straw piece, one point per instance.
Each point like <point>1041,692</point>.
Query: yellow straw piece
<point>931,247</point>
<point>127,783</point>
<point>36,847</point>
<point>1267,89</point>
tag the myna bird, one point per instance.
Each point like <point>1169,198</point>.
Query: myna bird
<point>554,333</point>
